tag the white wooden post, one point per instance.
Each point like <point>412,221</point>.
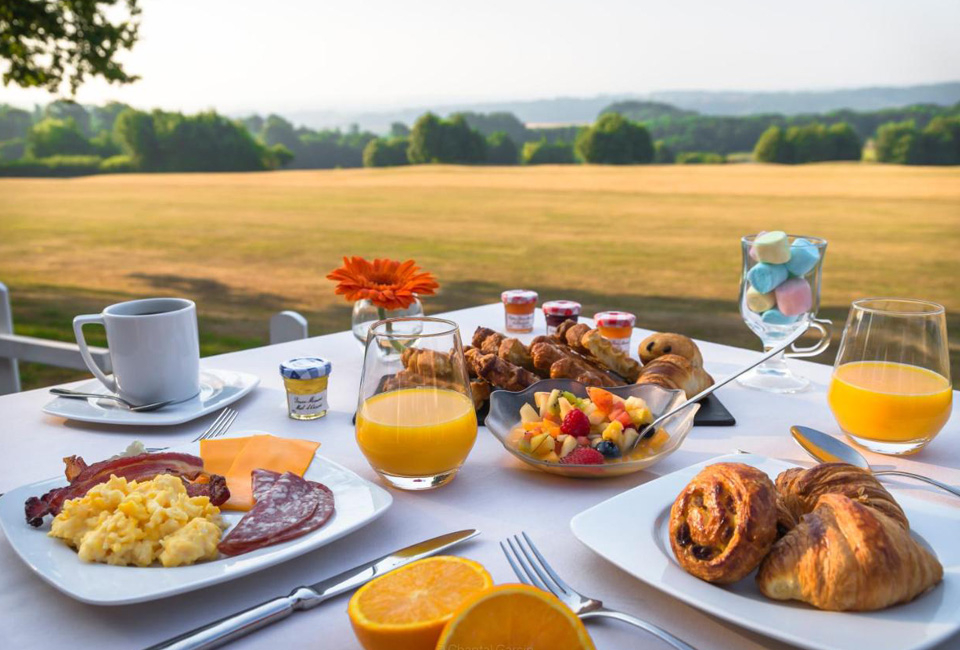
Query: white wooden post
<point>9,370</point>
<point>287,326</point>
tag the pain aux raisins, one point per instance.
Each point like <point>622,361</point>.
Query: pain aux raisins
<point>683,535</point>
<point>702,552</point>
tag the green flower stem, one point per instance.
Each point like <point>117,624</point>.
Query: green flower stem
<point>382,313</point>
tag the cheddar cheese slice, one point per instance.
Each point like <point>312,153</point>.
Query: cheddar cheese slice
<point>255,452</point>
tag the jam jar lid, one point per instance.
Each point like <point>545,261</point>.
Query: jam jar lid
<point>519,297</point>
<point>305,368</point>
<point>561,308</point>
<point>615,319</point>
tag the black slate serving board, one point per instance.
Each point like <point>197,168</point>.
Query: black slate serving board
<point>712,412</point>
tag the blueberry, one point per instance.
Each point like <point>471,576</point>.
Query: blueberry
<point>609,449</point>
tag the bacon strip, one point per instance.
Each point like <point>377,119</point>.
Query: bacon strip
<point>132,468</point>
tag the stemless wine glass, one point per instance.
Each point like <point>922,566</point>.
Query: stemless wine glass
<point>891,390</point>
<point>416,421</point>
<point>777,299</point>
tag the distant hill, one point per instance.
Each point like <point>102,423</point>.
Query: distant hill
<point>581,110</point>
<point>795,103</point>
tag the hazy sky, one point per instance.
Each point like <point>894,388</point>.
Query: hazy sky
<point>239,55</point>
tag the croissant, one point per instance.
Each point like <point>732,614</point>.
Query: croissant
<point>673,371</point>
<point>724,522</point>
<point>661,343</point>
<point>610,356</point>
<point>799,490</point>
<point>846,555</point>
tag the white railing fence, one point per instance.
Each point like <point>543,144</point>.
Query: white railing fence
<point>285,326</point>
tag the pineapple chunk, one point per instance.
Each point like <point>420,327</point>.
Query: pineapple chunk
<point>539,397</point>
<point>529,414</point>
<point>635,403</point>
<point>596,418</point>
<point>641,416</point>
<point>541,445</point>
<point>551,458</point>
<point>565,406</point>
<point>613,431</point>
<point>569,444</point>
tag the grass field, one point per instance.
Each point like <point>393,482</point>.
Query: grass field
<point>659,241</point>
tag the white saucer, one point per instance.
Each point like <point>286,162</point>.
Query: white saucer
<point>218,388</point>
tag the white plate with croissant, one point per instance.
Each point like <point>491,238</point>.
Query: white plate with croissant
<point>824,558</point>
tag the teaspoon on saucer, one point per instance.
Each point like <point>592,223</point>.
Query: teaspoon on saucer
<point>136,408</point>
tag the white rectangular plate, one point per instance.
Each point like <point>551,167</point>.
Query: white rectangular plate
<point>357,502</point>
<point>631,530</point>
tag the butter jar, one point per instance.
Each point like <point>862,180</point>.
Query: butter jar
<point>305,379</point>
<point>519,306</point>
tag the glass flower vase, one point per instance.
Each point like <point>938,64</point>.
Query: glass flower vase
<point>365,314</point>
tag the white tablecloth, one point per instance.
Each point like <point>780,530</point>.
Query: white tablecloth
<point>494,493</point>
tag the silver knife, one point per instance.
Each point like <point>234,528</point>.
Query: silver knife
<point>237,625</point>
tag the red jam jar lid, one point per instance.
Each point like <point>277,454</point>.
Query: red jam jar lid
<point>615,319</point>
<point>561,308</point>
<point>519,297</point>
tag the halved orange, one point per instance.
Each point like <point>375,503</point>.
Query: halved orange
<point>407,608</point>
<point>514,616</point>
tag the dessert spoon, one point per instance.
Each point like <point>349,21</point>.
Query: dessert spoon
<point>827,449</point>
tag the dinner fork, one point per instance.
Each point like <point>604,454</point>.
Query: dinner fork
<point>536,571</point>
<point>219,427</point>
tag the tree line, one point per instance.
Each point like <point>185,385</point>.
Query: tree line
<point>65,138</point>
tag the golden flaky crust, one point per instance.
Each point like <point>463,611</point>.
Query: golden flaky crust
<point>428,362</point>
<point>503,374</point>
<point>673,371</point>
<point>661,343</point>
<point>848,556</point>
<point>610,356</point>
<point>571,368</point>
<point>515,352</point>
<point>799,489</point>
<point>487,341</point>
<point>724,522</point>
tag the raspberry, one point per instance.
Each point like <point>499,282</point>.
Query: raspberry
<point>583,456</point>
<point>576,424</point>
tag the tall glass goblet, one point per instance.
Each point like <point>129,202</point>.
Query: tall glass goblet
<point>777,299</point>
<point>891,390</point>
<point>416,421</point>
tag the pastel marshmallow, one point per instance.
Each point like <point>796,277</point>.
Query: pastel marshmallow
<point>776,317</point>
<point>794,297</point>
<point>753,250</point>
<point>803,257</point>
<point>766,277</point>
<point>760,302</point>
<point>772,247</point>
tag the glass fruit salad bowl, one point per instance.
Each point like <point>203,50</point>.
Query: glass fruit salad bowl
<point>539,426</point>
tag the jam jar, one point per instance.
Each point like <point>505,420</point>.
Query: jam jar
<point>519,306</point>
<point>557,311</point>
<point>616,327</point>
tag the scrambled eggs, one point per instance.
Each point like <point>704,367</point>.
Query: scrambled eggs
<point>138,522</point>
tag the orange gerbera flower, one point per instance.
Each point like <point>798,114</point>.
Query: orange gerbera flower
<point>386,283</point>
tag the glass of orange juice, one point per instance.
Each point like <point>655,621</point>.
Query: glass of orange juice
<point>416,422</point>
<point>891,390</point>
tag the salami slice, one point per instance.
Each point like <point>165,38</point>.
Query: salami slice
<point>263,480</point>
<point>321,515</point>
<point>289,503</point>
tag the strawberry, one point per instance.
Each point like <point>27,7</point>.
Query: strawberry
<point>576,424</point>
<point>583,456</point>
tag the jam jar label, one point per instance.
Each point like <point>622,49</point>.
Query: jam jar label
<point>519,322</point>
<point>307,404</point>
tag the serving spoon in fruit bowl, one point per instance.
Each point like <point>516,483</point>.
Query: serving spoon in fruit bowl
<point>651,428</point>
<point>827,449</point>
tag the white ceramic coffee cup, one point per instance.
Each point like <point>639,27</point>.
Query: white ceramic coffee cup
<point>154,349</point>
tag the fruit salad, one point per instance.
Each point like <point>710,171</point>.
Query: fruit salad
<point>601,428</point>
